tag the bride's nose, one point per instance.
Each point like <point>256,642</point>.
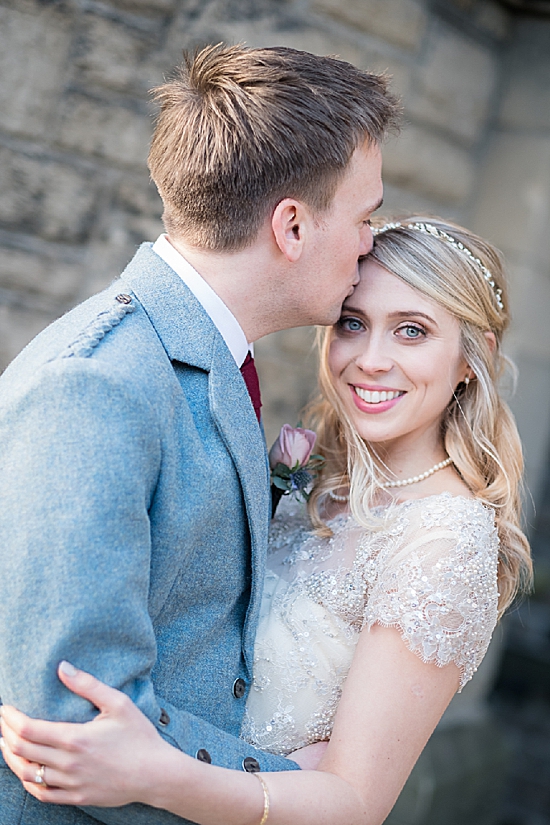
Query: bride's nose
<point>373,356</point>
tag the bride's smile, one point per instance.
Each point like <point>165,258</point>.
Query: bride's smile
<point>375,399</point>
<point>396,359</point>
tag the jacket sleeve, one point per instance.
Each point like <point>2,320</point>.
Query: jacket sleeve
<point>80,455</point>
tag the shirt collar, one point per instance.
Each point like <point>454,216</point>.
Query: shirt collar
<point>228,326</point>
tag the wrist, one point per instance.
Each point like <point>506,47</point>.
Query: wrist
<point>163,771</point>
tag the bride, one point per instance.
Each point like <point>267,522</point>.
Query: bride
<point>380,599</point>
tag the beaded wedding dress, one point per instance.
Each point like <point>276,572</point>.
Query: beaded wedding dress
<point>430,570</point>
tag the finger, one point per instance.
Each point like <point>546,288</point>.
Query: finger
<point>53,734</point>
<point>27,771</point>
<point>42,754</point>
<point>56,796</point>
<point>103,697</point>
<point>16,763</point>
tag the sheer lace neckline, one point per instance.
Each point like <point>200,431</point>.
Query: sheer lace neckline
<point>394,506</point>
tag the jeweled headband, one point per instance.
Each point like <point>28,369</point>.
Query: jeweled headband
<point>430,229</point>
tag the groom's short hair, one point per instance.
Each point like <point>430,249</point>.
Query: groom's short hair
<point>240,129</point>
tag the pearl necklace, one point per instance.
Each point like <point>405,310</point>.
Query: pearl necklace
<point>413,480</point>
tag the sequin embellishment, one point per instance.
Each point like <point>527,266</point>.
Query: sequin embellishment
<point>431,572</point>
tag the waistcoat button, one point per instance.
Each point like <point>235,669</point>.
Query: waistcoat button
<point>203,756</point>
<point>239,688</point>
<point>251,765</point>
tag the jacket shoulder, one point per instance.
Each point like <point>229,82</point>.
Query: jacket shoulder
<point>89,337</point>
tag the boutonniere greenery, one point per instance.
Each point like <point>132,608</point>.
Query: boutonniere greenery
<point>293,465</point>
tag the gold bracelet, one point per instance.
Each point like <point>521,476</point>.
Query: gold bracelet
<point>266,798</point>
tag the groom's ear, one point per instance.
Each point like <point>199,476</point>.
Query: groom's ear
<point>289,224</point>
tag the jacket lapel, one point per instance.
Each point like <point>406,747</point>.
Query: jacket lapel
<point>190,337</point>
<point>234,414</point>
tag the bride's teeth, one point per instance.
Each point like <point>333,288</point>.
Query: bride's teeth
<point>376,396</point>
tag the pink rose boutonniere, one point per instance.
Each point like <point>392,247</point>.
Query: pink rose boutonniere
<point>293,465</point>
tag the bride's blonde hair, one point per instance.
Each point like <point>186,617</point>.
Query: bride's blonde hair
<point>478,429</point>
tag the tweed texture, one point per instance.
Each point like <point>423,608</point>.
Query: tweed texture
<point>133,527</point>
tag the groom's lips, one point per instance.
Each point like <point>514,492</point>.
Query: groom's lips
<point>375,399</point>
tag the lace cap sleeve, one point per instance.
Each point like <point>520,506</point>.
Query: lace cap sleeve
<point>437,581</point>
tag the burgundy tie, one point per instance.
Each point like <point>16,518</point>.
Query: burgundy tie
<point>248,372</point>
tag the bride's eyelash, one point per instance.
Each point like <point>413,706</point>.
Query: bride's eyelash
<point>416,327</point>
<point>351,324</point>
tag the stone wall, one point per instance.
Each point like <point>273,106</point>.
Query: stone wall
<point>75,121</point>
<point>75,198</point>
<point>512,208</point>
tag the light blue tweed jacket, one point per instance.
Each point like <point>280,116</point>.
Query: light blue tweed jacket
<point>134,508</point>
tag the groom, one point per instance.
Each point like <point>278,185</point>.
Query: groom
<point>134,483</point>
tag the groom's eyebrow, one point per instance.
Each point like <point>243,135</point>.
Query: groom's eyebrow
<point>376,206</point>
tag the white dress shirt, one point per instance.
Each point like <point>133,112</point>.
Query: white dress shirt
<point>228,326</point>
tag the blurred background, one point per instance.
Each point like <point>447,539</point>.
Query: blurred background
<point>474,75</point>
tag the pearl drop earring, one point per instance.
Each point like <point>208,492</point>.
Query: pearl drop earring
<point>467,380</point>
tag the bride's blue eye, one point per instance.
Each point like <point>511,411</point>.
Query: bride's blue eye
<point>411,332</point>
<point>350,324</point>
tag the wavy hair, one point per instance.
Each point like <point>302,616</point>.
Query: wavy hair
<point>478,429</point>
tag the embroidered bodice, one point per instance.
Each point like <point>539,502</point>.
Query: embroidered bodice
<point>430,570</point>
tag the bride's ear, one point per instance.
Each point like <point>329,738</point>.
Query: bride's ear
<point>492,343</point>
<point>491,340</point>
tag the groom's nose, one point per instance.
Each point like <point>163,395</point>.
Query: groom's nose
<point>366,240</point>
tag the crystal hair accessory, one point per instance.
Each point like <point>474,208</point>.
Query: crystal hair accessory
<point>435,232</point>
